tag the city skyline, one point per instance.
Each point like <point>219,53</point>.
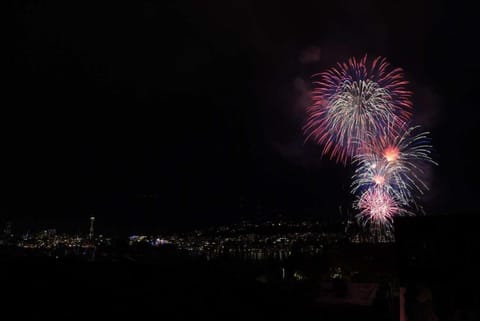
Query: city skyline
<point>240,160</point>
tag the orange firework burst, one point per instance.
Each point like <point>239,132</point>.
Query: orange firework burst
<point>391,154</point>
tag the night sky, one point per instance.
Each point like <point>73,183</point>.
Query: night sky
<point>153,115</point>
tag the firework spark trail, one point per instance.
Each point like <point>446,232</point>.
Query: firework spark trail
<point>378,207</point>
<point>360,110</point>
<point>394,163</point>
<point>351,101</point>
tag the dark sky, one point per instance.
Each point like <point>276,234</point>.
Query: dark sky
<point>153,115</point>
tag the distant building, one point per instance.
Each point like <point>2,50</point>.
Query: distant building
<point>7,230</point>
<point>91,232</point>
<point>7,234</point>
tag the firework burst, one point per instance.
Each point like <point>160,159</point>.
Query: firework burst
<point>360,110</point>
<point>378,207</point>
<point>353,100</point>
<point>395,164</point>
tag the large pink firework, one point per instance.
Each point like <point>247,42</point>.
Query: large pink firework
<point>378,207</point>
<point>355,99</point>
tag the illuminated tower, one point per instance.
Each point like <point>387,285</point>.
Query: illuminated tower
<point>92,220</point>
